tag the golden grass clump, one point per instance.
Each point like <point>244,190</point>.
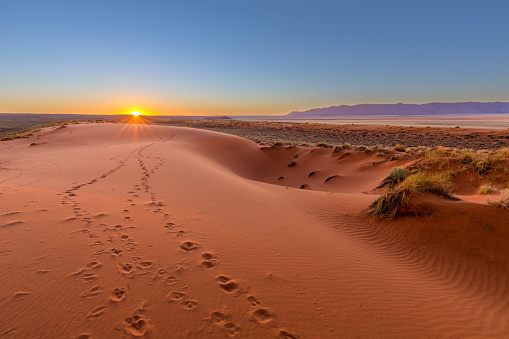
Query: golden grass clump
<point>437,183</point>
<point>485,189</point>
<point>502,153</point>
<point>466,157</point>
<point>483,165</point>
<point>388,205</point>
<point>400,148</point>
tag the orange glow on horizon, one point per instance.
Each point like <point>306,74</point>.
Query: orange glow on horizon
<point>136,113</point>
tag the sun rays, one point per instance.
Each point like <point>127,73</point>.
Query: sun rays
<point>136,127</point>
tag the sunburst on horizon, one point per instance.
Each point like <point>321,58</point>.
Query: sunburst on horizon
<point>135,113</point>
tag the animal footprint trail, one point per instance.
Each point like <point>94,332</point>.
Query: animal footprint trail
<point>136,325</point>
<point>263,315</point>
<point>93,292</point>
<point>96,312</point>
<point>209,260</point>
<point>232,286</point>
<point>188,246</point>
<point>189,304</point>
<point>220,318</point>
<point>118,294</point>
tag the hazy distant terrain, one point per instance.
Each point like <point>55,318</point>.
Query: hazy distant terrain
<point>15,122</point>
<point>404,109</point>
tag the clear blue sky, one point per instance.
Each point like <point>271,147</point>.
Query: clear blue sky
<point>249,56</point>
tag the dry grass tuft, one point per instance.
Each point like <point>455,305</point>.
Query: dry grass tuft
<point>400,148</point>
<point>388,205</point>
<point>485,189</point>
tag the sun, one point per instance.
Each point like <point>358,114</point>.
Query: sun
<point>135,113</point>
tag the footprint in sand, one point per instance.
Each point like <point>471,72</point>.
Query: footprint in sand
<point>83,336</point>
<point>136,325</point>
<point>160,273</point>
<point>118,294</point>
<point>189,304</point>
<point>125,268</point>
<point>188,246</point>
<point>93,264</point>
<point>253,301</point>
<point>171,280</point>
<point>93,292</point>
<point>124,237</point>
<point>115,252</point>
<point>209,261</point>
<point>284,334</point>
<point>234,287</point>
<point>130,247</point>
<point>176,296</point>
<point>145,264</point>
<point>219,316</point>
<point>135,259</point>
<point>90,277</point>
<point>97,312</point>
<point>230,329</point>
<point>263,315</point>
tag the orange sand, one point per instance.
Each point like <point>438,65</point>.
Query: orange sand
<point>118,231</point>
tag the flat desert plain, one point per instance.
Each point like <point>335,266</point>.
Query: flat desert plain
<point>131,230</point>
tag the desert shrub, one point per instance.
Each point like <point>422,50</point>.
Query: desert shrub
<point>397,174</point>
<point>465,158</point>
<point>502,153</point>
<point>388,204</point>
<point>400,148</point>
<point>279,143</point>
<point>485,189</point>
<point>437,183</point>
<point>384,150</point>
<point>360,148</point>
<point>323,144</point>
<point>483,165</point>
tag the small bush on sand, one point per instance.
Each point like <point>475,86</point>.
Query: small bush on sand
<point>323,144</point>
<point>437,183</point>
<point>485,189</point>
<point>400,148</point>
<point>502,153</point>
<point>279,143</point>
<point>387,205</point>
<point>465,158</point>
<point>483,165</point>
<point>397,174</point>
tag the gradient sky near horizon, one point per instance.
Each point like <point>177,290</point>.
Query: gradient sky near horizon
<point>238,57</point>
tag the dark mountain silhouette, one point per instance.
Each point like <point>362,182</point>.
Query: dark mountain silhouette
<point>435,108</point>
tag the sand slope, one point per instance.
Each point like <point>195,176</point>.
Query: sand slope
<point>114,231</point>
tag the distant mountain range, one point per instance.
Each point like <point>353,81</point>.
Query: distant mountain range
<point>435,108</point>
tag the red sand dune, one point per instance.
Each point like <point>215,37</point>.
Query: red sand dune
<point>118,231</point>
